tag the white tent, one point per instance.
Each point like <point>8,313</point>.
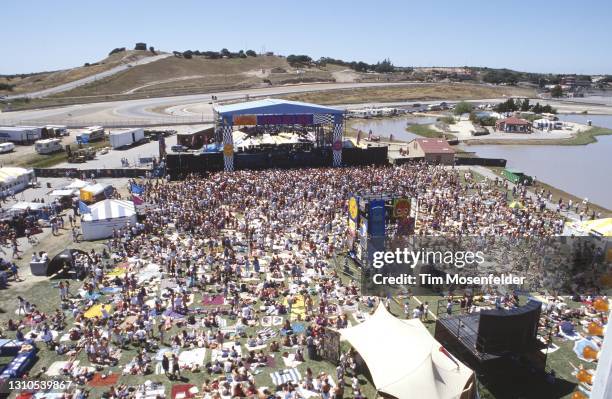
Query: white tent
<point>105,216</point>
<point>405,361</point>
<point>22,206</point>
<point>77,184</point>
<point>62,193</point>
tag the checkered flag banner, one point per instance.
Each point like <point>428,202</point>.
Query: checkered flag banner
<point>321,119</point>
<point>228,151</point>
<point>337,144</point>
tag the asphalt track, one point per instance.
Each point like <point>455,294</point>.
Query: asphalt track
<point>151,110</point>
<point>197,108</point>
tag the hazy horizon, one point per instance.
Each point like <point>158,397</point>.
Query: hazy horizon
<point>545,37</point>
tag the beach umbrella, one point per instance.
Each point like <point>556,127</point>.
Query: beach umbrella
<point>516,205</point>
<point>580,346</point>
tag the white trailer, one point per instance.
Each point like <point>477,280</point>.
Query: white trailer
<point>6,147</point>
<point>20,134</point>
<point>48,146</point>
<point>124,138</point>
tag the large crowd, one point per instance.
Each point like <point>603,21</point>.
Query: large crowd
<point>239,265</point>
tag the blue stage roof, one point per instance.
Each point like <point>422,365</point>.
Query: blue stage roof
<point>273,106</point>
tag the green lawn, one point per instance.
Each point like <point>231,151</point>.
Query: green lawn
<point>46,296</point>
<point>425,131</point>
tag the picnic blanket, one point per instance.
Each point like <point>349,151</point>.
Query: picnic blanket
<point>159,356</point>
<point>267,333</point>
<point>224,352</point>
<point>290,361</point>
<point>117,272</point>
<point>55,369</point>
<point>180,391</point>
<point>298,309</point>
<point>96,311</point>
<point>110,290</point>
<point>190,358</point>
<point>267,321</point>
<point>173,314</point>
<point>150,391</point>
<point>217,300</point>
<point>283,376</point>
<point>98,381</point>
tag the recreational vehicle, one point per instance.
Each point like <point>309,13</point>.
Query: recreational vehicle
<point>48,146</point>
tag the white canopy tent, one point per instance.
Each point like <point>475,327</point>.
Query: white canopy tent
<point>405,361</point>
<point>63,193</point>
<point>77,184</point>
<point>22,206</point>
<point>105,216</point>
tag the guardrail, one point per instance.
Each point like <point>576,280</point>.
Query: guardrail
<point>109,123</point>
<point>97,173</point>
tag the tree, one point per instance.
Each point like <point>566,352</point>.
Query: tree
<point>384,66</point>
<point>507,106</point>
<point>463,108</point>
<point>225,53</point>
<point>525,105</point>
<point>556,91</point>
<point>188,54</point>
<point>241,54</point>
<point>298,60</point>
<point>251,53</point>
<point>116,50</point>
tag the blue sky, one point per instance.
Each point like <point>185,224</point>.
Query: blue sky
<point>538,35</point>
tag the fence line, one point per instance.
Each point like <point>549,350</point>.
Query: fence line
<point>110,123</point>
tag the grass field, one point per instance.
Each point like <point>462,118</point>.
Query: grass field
<point>36,160</point>
<point>425,131</point>
<point>416,92</point>
<point>46,296</point>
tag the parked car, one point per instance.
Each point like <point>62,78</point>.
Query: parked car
<point>178,148</point>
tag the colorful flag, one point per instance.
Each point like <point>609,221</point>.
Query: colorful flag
<point>136,189</point>
<point>137,200</point>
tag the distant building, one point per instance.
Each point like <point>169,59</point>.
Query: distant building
<point>436,151</point>
<point>513,125</point>
<point>140,46</point>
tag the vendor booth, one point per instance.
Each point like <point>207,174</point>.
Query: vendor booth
<point>95,192</point>
<point>106,216</point>
<point>406,361</point>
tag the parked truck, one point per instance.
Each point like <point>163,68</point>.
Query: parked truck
<point>48,146</point>
<point>517,177</point>
<point>90,134</point>
<point>20,134</point>
<point>125,138</point>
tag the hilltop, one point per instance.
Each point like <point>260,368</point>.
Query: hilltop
<point>32,82</point>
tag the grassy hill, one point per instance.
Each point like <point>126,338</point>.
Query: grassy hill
<point>416,92</point>
<point>179,75</point>
<point>39,81</point>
